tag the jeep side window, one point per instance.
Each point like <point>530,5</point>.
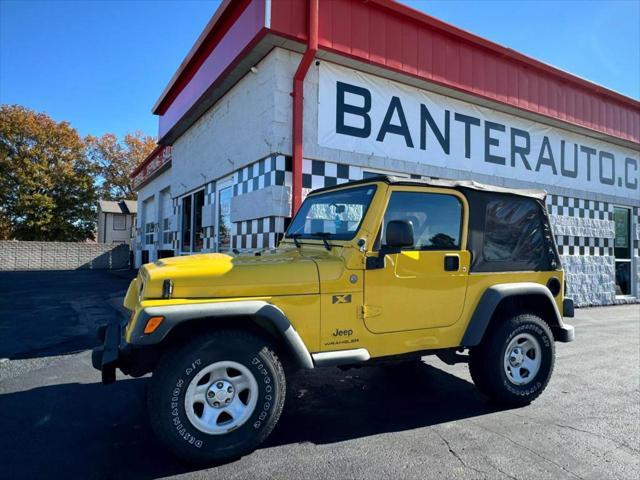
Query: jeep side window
<point>513,232</point>
<point>436,219</point>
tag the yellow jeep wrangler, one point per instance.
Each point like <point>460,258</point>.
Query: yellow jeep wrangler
<point>379,270</point>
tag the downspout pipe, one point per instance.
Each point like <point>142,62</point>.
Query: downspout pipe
<point>298,106</point>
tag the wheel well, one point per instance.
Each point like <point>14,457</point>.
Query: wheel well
<point>536,304</point>
<point>148,357</point>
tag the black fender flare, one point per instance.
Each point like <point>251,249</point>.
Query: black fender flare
<point>495,294</point>
<point>258,310</point>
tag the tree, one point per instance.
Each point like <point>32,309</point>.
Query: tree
<point>116,160</point>
<point>46,181</point>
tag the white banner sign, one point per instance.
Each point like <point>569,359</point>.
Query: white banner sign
<point>363,113</point>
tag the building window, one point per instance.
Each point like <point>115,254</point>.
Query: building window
<point>622,249</point>
<point>119,222</point>
<point>166,231</point>
<point>192,231</point>
<point>224,219</point>
<point>148,233</point>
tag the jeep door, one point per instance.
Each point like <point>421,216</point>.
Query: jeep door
<point>423,285</point>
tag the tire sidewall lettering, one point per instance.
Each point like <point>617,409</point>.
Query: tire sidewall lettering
<point>176,405</point>
<point>181,425</point>
<point>265,402</point>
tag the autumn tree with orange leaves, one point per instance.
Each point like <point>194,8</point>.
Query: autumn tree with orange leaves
<point>47,187</point>
<point>51,178</point>
<point>115,160</point>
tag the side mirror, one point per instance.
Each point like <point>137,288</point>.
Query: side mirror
<point>399,234</point>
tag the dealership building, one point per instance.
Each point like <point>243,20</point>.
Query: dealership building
<point>280,97</point>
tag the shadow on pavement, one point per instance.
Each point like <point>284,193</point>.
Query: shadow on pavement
<point>45,313</point>
<point>91,431</point>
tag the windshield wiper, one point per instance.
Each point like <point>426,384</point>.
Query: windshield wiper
<point>323,236</point>
<point>295,237</point>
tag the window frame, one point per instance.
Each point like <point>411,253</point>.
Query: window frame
<point>539,219</point>
<point>166,230</point>
<point>149,233</point>
<point>222,185</point>
<point>307,237</point>
<point>190,195</point>
<point>113,221</point>
<point>464,217</point>
<point>628,261</point>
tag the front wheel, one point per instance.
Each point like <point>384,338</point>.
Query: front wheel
<point>514,363</point>
<point>218,397</point>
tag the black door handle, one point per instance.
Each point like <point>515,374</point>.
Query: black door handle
<point>451,263</point>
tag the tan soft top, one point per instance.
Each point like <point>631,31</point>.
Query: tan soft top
<point>432,182</point>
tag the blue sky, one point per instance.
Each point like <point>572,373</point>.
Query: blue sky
<point>101,65</point>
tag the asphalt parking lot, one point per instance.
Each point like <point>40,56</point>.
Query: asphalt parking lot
<point>423,422</point>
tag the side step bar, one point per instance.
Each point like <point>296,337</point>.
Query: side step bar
<point>340,357</point>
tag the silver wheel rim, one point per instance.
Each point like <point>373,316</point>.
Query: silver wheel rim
<point>221,397</point>
<point>522,359</point>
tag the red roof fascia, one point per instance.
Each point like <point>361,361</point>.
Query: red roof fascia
<point>225,16</point>
<point>500,50</point>
<point>156,151</point>
<point>393,36</point>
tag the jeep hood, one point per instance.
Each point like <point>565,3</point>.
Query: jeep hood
<point>217,275</point>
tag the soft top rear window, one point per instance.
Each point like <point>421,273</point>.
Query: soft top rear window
<point>509,233</point>
<point>512,232</point>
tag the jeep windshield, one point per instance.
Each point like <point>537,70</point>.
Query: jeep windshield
<point>336,214</point>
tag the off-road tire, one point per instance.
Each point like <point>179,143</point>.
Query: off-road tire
<point>177,369</point>
<point>486,362</point>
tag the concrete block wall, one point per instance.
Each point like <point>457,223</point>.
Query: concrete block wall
<point>17,255</point>
<point>591,280</point>
<point>585,232</point>
<point>236,131</point>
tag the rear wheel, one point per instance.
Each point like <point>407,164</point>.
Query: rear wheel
<point>218,397</point>
<point>514,363</point>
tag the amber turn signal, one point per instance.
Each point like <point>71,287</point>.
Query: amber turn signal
<point>152,324</point>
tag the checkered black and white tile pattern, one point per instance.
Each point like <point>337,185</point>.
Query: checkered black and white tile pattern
<point>582,209</point>
<point>320,174</point>
<point>579,207</point>
<point>177,211</point>
<point>570,245</point>
<point>273,170</point>
<point>259,233</point>
<point>276,170</point>
<point>209,232</point>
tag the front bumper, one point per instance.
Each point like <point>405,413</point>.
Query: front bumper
<point>565,333</point>
<point>568,308</point>
<point>108,356</point>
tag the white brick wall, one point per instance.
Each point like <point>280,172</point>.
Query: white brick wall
<point>236,131</point>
